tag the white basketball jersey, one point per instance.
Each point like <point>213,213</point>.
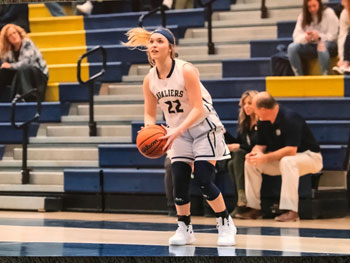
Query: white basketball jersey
<point>172,96</point>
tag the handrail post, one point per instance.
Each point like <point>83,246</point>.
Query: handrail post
<point>90,82</point>
<point>211,46</point>
<point>25,171</point>
<point>263,9</point>
<point>162,12</point>
<point>160,8</point>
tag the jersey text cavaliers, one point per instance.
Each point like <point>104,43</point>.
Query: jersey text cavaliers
<point>169,93</point>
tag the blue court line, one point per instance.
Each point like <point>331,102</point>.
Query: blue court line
<point>92,249</point>
<point>264,231</point>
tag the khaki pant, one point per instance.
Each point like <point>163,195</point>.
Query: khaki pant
<point>290,168</point>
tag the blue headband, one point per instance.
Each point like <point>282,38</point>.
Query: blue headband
<point>166,34</point>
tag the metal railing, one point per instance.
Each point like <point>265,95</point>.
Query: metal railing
<point>209,13</point>
<point>25,171</point>
<point>160,8</point>
<point>263,9</point>
<point>90,83</point>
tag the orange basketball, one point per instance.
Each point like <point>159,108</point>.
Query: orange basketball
<point>147,141</point>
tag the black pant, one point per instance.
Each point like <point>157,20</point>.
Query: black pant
<point>21,81</point>
<point>347,48</point>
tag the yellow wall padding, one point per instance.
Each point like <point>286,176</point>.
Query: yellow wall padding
<point>306,86</point>
<point>52,92</point>
<point>67,72</point>
<point>38,10</point>
<point>59,39</point>
<point>56,24</point>
<point>313,66</point>
<point>68,55</point>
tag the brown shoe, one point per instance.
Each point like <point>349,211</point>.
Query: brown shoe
<point>288,216</point>
<point>250,214</point>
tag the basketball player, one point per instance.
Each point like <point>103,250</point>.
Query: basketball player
<point>195,133</point>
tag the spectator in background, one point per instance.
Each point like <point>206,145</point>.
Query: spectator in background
<point>23,66</point>
<point>182,4</point>
<point>285,146</point>
<point>55,9</point>
<point>247,136</point>
<point>343,64</point>
<point>14,14</point>
<point>314,36</point>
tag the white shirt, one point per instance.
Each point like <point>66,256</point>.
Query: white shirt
<point>327,29</point>
<point>172,95</point>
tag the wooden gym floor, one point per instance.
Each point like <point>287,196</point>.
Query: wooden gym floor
<point>101,234</point>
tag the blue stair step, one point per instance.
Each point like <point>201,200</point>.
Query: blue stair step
<point>127,156</point>
<point>114,71</point>
<point>182,18</point>
<point>74,92</point>
<point>114,36</point>
<point>325,132</point>
<point>255,67</point>
<point>9,134</point>
<point>267,48</point>
<point>50,111</point>
<point>285,29</point>
<point>309,108</point>
<point>233,87</point>
<point>82,180</point>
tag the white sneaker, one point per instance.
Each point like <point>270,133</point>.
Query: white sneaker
<point>184,235</point>
<point>227,231</point>
<point>85,8</point>
<point>338,70</point>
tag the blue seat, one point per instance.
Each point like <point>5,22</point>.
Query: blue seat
<point>267,48</point>
<point>82,180</point>
<point>74,92</point>
<point>285,29</point>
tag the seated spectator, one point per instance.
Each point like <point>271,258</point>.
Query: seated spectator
<point>55,9</point>
<point>23,67</point>
<point>314,36</point>
<point>247,131</point>
<point>285,146</point>
<point>14,14</point>
<point>182,4</point>
<point>343,64</point>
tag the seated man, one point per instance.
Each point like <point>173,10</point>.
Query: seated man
<point>285,146</point>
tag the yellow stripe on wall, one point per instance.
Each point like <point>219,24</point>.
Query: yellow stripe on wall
<point>52,92</point>
<point>306,86</point>
<point>56,24</point>
<point>67,72</point>
<point>68,55</point>
<point>59,39</point>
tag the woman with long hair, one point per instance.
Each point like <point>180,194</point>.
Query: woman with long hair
<point>23,66</point>
<point>314,36</point>
<point>343,64</point>
<point>247,132</point>
<point>194,133</point>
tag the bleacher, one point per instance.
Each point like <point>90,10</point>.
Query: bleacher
<point>75,172</point>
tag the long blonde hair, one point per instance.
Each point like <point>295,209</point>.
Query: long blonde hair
<point>138,38</point>
<point>5,45</point>
<point>244,121</point>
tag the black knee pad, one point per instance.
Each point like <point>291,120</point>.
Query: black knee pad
<point>204,173</point>
<point>181,180</point>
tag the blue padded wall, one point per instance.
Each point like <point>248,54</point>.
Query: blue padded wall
<point>125,155</point>
<point>133,181</point>
<point>82,180</point>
